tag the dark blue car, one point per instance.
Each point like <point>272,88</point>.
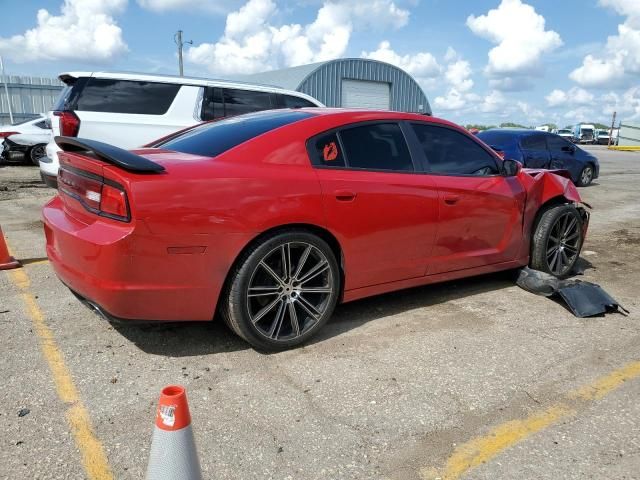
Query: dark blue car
<point>536,149</point>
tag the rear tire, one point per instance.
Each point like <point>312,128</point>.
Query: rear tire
<point>36,153</point>
<point>586,176</point>
<point>282,290</point>
<point>557,240</point>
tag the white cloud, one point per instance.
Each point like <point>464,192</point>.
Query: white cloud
<point>494,102</point>
<point>458,75</point>
<point>520,37</point>
<point>85,30</point>
<point>621,56</point>
<point>422,65</point>
<point>626,104</point>
<point>252,43</point>
<point>574,96</point>
<point>580,114</point>
<point>214,6</point>
<point>511,84</point>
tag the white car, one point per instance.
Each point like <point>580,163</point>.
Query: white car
<point>130,110</point>
<point>25,140</point>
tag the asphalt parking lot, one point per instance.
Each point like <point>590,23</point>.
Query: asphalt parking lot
<point>471,379</point>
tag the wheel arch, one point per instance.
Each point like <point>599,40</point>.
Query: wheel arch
<point>549,203</point>
<point>320,232</point>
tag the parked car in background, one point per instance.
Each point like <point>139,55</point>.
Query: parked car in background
<point>602,136</point>
<point>584,133</point>
<point>271,218</point>
<point>543,128</point>
<point>131,109</point>
<point>25,141</point>
<point>535,149</point>
<point>565,133</point>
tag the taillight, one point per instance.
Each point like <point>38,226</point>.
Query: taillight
<point>6,134</point>
<point>69,123</point>
<point>96,194</point>
<point>113,201</point>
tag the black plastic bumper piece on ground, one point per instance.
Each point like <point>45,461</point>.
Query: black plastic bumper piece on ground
<point>584,299</point>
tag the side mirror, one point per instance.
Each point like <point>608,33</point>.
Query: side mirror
<point>511,168</point>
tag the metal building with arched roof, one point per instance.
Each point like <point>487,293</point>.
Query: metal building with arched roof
<point>352,83</point>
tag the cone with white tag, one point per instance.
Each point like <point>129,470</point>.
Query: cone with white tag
<point>173,448</point>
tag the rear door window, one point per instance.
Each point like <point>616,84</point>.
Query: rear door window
<point>237,102</point>
<point>449,152</point>
<point>212,104</point>
<point>126,96</point>
<point>379,146</point>
<point>533,142</point>
<point>556,143</point>
<point>296,102</point>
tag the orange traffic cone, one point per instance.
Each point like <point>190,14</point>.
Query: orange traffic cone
<point>7,262</point>
<point>173,449</point>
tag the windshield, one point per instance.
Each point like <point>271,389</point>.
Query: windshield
<point>212,139</point>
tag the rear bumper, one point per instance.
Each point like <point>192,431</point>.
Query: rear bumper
<point>127,273</point>
<point>49,180</point>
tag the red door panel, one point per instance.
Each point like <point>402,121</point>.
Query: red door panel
<point>385,222</point>
<point>480,222</point>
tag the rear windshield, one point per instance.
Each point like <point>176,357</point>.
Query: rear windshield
<point>126,96</point>
<point>212,139</point>
<point>496,138</point>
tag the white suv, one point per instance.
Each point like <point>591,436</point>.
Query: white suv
<point>130,110</point>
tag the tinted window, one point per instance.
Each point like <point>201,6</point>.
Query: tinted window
<point>41,124</point>
<point>533,142</point>
<point>212,104</point>
<point>556,143</point>
<point>126,96</point>
<point>453,153</point>
<point>325,150</point>
<point>296,102</point>
<point>237,102</point>
<point>61,102</point>
<point>498,138</point>
<point>211,139</point>
<point>379,146</point>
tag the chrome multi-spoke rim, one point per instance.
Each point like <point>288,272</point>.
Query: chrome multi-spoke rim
<point>564,243</point>
<point>289,291</point>
<point>585,178</point>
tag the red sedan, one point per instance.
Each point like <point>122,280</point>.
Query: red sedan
<point>272,218</point>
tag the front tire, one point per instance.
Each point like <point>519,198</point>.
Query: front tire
<point>557,240</point>
<point>36,153</point>
<point>282,290</point>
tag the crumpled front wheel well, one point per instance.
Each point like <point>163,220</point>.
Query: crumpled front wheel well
<point>552,202</point>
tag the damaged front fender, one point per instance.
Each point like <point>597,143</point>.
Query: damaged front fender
<point>542,187</point>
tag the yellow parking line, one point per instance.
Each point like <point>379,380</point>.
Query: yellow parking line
<point>480,450</point>
<point>94,459</point>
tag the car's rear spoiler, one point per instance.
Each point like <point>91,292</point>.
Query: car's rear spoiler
<point>108,153</point>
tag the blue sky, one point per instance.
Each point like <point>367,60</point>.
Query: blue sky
<point>486,61</point>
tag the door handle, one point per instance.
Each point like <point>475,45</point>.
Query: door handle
<point>345,195</point>
<point>451,199</point>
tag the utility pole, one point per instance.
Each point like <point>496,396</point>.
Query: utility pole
<point>6,91</point>
<point>613,122</point>
<point>178,39</point>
